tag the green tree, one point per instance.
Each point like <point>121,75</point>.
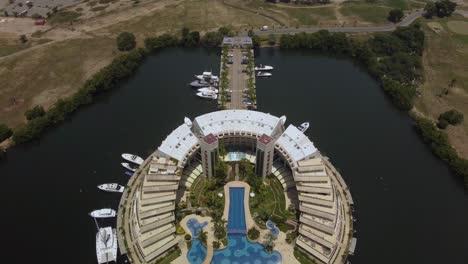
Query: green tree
<point>253,233</point>
<point>401,95</point>
<point>212,39</point>
<point>36,111</point>
<point>203,236</point>
<point>5,132</point>
<point>430,10</point>
<point>395,15</point>
<point>453,117</point>
<point>126,41</point>
<point>271,39</point>
<point>216,244</point>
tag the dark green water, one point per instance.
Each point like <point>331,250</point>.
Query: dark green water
<point>410,208</point>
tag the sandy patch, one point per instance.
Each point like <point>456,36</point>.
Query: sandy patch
<point>436,27</point>
<point>459,27</point>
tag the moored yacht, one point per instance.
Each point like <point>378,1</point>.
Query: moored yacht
<point>199,84</point>
<point>106,245</point>
<point>264,68</point>
<point>303,127</point>
<point>207,76</point>
<point>133,158</point>
<point>208,89</point>
<point>111,187</point>
<point>128,166</point>
<point>103,213</point>
<point>207,95</point>
<point>263,74</point>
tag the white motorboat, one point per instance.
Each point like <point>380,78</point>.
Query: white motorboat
<point>207,76</point>
<point>103,213</point>
<point>133,158</point>
<point>208,89</point>
<point>207,95</point>
<point>264,68</point>
<point>263,74</point>
<point>106,245</point>
<point>303,127</point>
<point>111,187</point>
<point>128,166</point>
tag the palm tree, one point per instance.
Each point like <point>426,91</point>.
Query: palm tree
<point>203,236</point>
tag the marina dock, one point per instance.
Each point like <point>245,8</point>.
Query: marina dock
<point>237,87</point>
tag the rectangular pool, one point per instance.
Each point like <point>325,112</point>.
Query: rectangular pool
<point>236,220</point>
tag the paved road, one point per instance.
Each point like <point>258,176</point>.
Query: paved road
<point>410,18</point>
<point>236,81</point>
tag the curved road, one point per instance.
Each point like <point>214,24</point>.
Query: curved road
<point>410,18</point>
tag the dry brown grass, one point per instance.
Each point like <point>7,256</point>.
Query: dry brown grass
<point>445,59</point>
<point>43,75</point>
<point>202,15</point>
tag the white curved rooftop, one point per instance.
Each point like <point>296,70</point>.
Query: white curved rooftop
<point>237,120</point>
<point>182,140</point>
<point>179,142</point>
<point>296,144</point>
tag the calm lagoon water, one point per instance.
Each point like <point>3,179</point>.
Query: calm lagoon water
<point>410,207</point>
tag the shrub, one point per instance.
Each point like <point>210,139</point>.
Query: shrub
<point>187,237</point>
<point>216,244</point>
<point>443,8</point>
<point>442,124</point>
<point>36,111</point>
<point>253,233</point>
<point>126,41</point>
<point>212,39</point>
<point>5,132</point>
<point>401,95</point>
<point>453,117</point>
<point>395,15</point>
<point>165,40</point>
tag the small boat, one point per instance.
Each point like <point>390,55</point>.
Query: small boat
<point>199,84</point>
<point>207,76</point>
<point>133,158</point>
<point>207,95</point>
<point>103,213</point>
<point>111,187</point>
<point>208,89</point>
<point>264,68</point>
<point>263,74</point>
<point>106,245</point>
<point>128,166</point>
<point>303,127</point>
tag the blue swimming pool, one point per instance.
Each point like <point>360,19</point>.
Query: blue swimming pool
<point>273,229</point>
<point>239,249</point>
<point>236,220</point>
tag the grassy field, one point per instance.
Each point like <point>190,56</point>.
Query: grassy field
<point>202,15</point>
<point>41,76</point>
<point>446,59</point>
<point>367,12</point>
<point>10,44</point>
<point>302,16</point>
<point>197,189</point>
<point>310,16</point>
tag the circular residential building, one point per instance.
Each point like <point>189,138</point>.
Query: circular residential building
<point>311,184</point>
